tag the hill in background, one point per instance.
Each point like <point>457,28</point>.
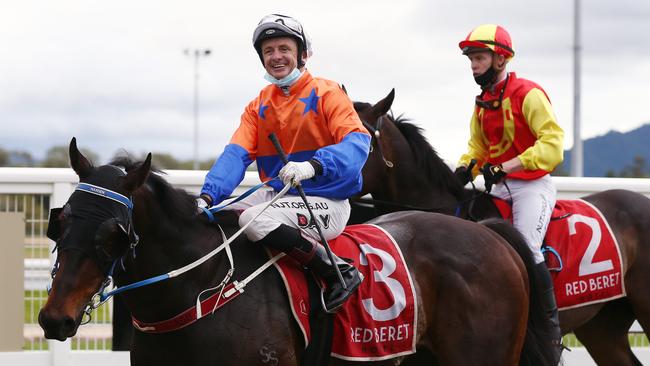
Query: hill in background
<point>614,152</point>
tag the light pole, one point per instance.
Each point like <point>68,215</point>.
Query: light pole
<point>196,53</point>
<point>577,152</point>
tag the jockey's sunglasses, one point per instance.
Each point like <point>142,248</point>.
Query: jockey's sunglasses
<point>492,104</point>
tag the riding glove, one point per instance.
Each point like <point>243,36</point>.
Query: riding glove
<point>295,172</point>
<point>201,203</point>
<point>493,174</point>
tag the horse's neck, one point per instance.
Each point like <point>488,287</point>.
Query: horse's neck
<point>406,188</point>
<point>478,206</point>
<point>158,253</point>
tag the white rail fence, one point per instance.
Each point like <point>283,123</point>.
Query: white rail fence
<point>35,190</point>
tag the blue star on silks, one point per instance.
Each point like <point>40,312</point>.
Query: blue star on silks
<point>311,102</point>
<point>263,108</point>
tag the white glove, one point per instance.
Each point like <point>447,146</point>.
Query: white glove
<point>201,203</point>
<point>295,172</point>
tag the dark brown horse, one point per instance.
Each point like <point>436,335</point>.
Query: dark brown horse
<point>419,179</point>
<point>472,286</point>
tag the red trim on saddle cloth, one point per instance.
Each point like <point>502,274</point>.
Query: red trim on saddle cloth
<point>190,315</point>
<point>378,321</point>
<point>590,254</point>
<point>505,209</point>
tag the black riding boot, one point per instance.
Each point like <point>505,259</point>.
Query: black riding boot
<point>314,257</point>
<point>550,306</point>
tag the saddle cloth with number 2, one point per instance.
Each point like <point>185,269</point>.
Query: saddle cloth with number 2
<point>591,259</point>
<point>591,255</point>
<point>379,320</point>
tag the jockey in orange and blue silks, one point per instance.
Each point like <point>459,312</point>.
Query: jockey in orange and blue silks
<point>326,145</point>
<point>317,122</point>
<point>516,141</point>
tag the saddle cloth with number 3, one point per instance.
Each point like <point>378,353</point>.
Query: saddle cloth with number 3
<point>590,255</point>
<point>379,320</point>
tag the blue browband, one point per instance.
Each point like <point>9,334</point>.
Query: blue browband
<point>100,191</point>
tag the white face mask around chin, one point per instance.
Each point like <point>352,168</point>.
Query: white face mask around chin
<point>285,81</point>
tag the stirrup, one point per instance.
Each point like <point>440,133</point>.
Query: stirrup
<point>335,309</point>
<point>322,303</point>
<point>547,252</point>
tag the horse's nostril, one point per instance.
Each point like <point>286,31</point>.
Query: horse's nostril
<point>57,327</point>
<point>68,323</point>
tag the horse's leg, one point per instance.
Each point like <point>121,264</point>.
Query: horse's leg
<point>605,336</point>
<point>637,276</point>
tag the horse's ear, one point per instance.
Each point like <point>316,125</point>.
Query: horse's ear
<point>383,106</point>
<point>344,90</point>
<point>78,162</point>
<point>136,177</point>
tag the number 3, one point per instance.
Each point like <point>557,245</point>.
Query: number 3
<point>395,287</point>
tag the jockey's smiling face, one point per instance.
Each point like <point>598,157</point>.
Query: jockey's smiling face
<point>280,56</point>
<point>480,61</point>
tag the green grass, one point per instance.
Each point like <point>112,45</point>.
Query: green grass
<point>39,252</point>
<point>34,301</point>
<point>91,345</point>
<point>636,340</point>
<point>76,344</point>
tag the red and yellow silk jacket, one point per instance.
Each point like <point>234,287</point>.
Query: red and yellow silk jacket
<point>524,126</point>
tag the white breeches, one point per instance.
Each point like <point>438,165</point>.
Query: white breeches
<point>332,215</point>
<point>532,205</point>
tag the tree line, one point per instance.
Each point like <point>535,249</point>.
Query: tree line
<point>638,169</point>
<point>57,157</point>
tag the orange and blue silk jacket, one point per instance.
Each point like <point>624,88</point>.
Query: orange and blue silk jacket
<point>523,126</point>
<point>314,120</point>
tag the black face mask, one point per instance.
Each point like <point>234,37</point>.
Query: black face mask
<point>486,78</point>
<point>495,103</point>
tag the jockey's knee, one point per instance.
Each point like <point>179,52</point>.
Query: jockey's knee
<point>247,215</point>
<point>260,227</point>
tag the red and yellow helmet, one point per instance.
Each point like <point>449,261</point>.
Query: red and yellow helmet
<point>490,36</point>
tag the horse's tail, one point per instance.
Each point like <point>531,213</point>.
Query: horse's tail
<point>538,348</point>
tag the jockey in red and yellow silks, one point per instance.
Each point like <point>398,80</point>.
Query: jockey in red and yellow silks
<point>517,142</point>
<point>326,144</point>
<point>524,127</point>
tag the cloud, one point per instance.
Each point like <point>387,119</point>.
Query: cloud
<point>114,73</point>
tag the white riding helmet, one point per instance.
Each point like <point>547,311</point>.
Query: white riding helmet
<point>277,25</point>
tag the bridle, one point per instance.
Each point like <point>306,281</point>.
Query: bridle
<point>225,291</point>
<point>376,134</point>
<point>98,256</point>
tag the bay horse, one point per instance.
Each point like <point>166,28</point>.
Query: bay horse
<point>471,280</point>
<point>420,179</point>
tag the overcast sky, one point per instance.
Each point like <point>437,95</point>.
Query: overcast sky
<point>113,73</point>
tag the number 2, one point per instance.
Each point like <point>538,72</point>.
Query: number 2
<point>587,265</point>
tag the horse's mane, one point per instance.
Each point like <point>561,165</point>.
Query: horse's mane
<point>178,205</point>
<point>426,158</point>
